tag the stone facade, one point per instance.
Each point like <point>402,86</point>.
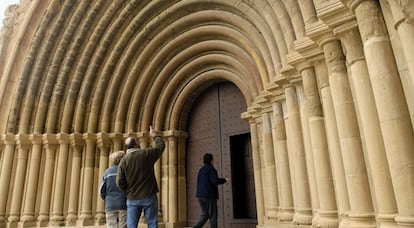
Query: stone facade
<point>329,86</point>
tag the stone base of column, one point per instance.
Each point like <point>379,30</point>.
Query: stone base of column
<point>71,220</point>
<point>100,219</point>
<point>57,220</point>
<point>160,225</point>
<point>42,221</point>
<point>174,224</point>
<point>85,220</point>
<point>285,214</point>
<point>387,221</point>
<point>328,219</point>
<point>24,224</point>
<point>11,224</point>
<point>279,225</point>
<point>303,217</point>
<point>405,221</point>
<point>358,221</point>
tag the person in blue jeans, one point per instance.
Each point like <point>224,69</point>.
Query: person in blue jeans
<point>115,200</point>
<point>136,178</point>
<point>207,192</point>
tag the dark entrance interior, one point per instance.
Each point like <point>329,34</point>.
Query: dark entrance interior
<point>244,202</point>
<point>215,126</point>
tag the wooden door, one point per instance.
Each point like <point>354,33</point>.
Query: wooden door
<point>215,126</point>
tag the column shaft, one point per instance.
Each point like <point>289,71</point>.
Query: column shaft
<point>103,165</point>
<point>47,184</point>
<point>327,202</point>
<point>77,146</point>
<point>361,214</point>
<point>391,105</point>
<point>257,174</point>
<point>86,203</point>
<point>60,183</point>
<point>33,179</point>
<point>303,212</point>
<point>370,127</point>
<point>172,180</point>
<point>5,176</point>
<point>333,139</point>
<point>282,165</point>
<point>18,186</point>
<point>270,188</point>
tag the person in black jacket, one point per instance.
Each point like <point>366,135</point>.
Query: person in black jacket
<point>207,192</point>
<point>115,200</point>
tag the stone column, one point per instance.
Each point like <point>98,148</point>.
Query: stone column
<point>369,124</point>
<point>328,209</point>
<point>77,143</point>
<point>307,145</point>
<point>104,144</point>
<point>270,187</point>
<point>257,173</point>
<point>5,175</point>
<point>28,214</point>
<point>182,182</point>
<point>405,29</point>
<point>282,165</point>
<point>86,218</point>
<point>57,218</point>
<point>18,186</point>
<point>303,212</point>
<point>361,214</point>
<point>50,145</point>
<point>391,105</point>
<point>333,139</point>
<point>172,179</point>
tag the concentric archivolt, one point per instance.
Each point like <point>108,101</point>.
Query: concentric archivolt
<point>107,66</point>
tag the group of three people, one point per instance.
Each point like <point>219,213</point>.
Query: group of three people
<point>129,186</point>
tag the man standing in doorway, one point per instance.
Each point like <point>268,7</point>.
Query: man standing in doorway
<point>207,192</point>
<point>136,178</point>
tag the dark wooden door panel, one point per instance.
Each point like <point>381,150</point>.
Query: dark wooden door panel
<point>213,122</point>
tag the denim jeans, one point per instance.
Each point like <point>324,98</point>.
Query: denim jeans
<point>116,219</point>
<point>208,211</point>
<point>150,208</point>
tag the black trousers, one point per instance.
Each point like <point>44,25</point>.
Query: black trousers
<point>208,211</point>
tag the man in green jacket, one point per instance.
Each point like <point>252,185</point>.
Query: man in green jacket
<point>136,178</point>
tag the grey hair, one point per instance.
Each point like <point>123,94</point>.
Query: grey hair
<point>116,157</point>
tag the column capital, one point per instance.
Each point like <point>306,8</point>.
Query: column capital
<point>36,138</point>
<point>76,139</point>
<point>89,137</point>
<point>63,138</point>
<point>175,134</point>
<point>8,139</point>
<point>104,139</point>
<point>23,140</point>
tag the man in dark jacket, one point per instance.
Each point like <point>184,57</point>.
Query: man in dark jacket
<point>115,200</point>
<point>136,178</point>
<point>207,192</point>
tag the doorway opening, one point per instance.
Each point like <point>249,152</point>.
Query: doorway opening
<point>244,202</point>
